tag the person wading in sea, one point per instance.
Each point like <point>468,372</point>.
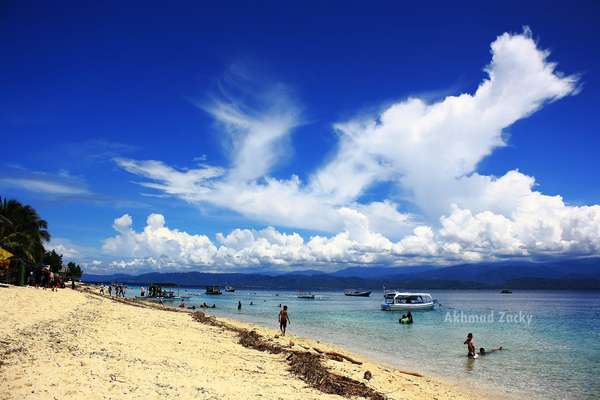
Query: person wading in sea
<point>470,346</point>
<point>284,319</point>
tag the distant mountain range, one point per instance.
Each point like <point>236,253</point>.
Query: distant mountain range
<point>566,274</point>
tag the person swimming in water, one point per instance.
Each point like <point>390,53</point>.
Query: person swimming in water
<point>483,352</point>
<point>406,318</point>
<point>239,305</point>
<point>284,319</point>
<point>470,346</point>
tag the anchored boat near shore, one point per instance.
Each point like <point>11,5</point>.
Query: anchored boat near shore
<point>357,293</point>
<point>162,292</point>
<point>213,290</point>
<point>405,301</point>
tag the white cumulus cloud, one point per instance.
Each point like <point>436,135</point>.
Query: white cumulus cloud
<point>429,151</point>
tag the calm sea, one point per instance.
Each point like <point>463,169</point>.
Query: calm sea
<point>551,339</point>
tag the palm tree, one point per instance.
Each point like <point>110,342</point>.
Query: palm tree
<point>22,231</point>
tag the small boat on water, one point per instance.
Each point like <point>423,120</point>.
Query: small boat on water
<point>406,301</point>
<point>229,289</point>
<point>306,295</point>
<point>506,291</point>
<point>161,291</point>
<point>357,293</point>
<point>213,290</point>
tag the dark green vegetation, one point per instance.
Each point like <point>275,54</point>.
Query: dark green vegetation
<point>24,233</point>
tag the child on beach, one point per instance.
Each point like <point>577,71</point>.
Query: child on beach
<point>284,318</point>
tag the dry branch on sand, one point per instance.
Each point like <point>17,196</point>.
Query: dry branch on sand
<point>310,369</point>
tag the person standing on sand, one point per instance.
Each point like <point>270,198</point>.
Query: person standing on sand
<point>102,289</point>
<point>110,290</point>
<point>284,319</point>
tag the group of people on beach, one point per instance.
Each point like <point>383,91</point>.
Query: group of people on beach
<point>46,279</point>
<point>118,289</point>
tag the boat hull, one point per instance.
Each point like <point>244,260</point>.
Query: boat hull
<point>155,298</point>
<point>406,307</point>
<point>358,294</point>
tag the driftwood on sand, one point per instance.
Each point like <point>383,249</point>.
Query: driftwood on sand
<point>410,373</point>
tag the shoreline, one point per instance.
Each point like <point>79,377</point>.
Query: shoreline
<point>487,391</point>
<point>92,336</point>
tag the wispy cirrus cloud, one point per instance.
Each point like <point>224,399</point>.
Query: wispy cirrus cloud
<point>44,186</point>
<point>60,183</point>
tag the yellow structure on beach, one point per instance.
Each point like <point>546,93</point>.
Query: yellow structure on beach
<point>5,257</point>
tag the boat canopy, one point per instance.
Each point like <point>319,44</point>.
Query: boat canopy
<point>405,294</point>
<point>407,298</point>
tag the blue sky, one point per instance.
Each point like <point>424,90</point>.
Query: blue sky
<point>268,131</point>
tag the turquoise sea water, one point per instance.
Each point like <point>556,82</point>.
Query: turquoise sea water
<point>551,338</point>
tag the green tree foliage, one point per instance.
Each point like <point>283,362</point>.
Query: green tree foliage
<point>73,270</point>
<point>22,231</point>
<point>54,260</point>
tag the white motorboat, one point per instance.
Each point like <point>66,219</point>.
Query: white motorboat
<point>406,301</point>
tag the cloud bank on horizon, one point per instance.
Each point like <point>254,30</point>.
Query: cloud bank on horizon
<point>429,152</point>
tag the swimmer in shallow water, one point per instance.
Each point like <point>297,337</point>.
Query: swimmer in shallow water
<point>406,318</point>
<point>483,352</point>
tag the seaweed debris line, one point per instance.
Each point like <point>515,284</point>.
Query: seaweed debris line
<point>305,365</point>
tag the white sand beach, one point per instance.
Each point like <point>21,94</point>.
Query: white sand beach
<point>77,345</point>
